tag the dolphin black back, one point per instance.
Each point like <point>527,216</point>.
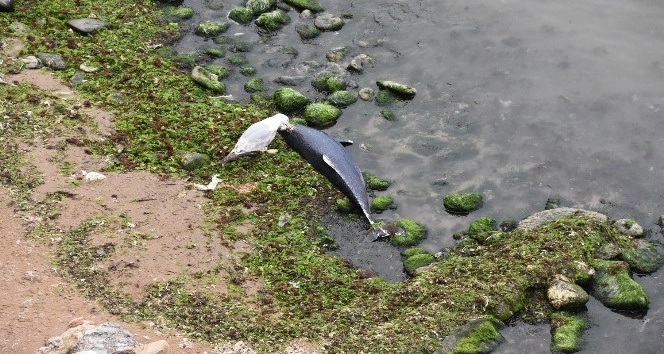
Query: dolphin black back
<point>312,144</point>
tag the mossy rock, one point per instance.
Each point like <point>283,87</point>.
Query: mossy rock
<point>247,70</point>
<point>215,52</point>
<point>415,261</point>
<point>376,183</point>
<point>272,21</point>
<point>334,84</point>
<point>289,100</point>
<point>258,7</point>
<point>218,70</point>
<point>237,60</point>
<point>413,233</point>
<point>642,256</point>
<point>409,252</point>
<point>614,287</point>
<point>479,336</point>
<point>207,79</point>
<point>184,62</point>
<point>321,114</point>
<point>462,203</point>
<point>401,90</point>
<point>481,228</point>
<point>382,203</point>
<point>384,98</point>
<point>343,205</point>
<point>166,52</point>
<point>211,28</point>
<point>193,161</point>
<point>254,85</point>
<point>312,5</point>
<point>342,98</point>
<point>307,31</point>
<point>565,332</point>
<point>176,14</point>
<point>241,14</point>
<point>388,115</point>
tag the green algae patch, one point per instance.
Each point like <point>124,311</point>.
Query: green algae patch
<point>641,255</point>
<point>481,228</point>
<point>375,182</point>
<point>476,337</point>
<point>321,114</point>
<point>614,287</point>
<point>410,264</point>
<point>207,79</point>
<point>566,330</point>
<point>211,28</point>
<point>382,203</point>
<point>312,5</point>
<point>398,89</point>
<point>289,100</point>
<point>272,21</point>
<point>413,233</point>
<point>462,203</point>
<point>254,85</point>
<point>241,15</point>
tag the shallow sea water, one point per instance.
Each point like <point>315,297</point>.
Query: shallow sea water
<point>517,100</point>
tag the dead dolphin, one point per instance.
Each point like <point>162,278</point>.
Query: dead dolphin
<point>331,160</point>
<point>257,137</point>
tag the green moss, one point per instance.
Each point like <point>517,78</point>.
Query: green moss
<point>381,203</point>
<point>173,13</point>
<point>415,261</point>
<point>211,28</point>
<point>247,70</point>
<point>413,233</point>
<point>215,52</point>
<point>289,100</point>
<point>207,79</point>
<point>307,31</point>
<point>334,84</point>
<point>321,114</point>
<point>480,336</point>
<point>272,21</point>
<point>254,85</point>
<point>384,98</point>
<point>241,15</point>
<point>641,255</point>
<point>462,203</point>
<point>342,98</point>
<point>388,115</point>
<point>376,183</point>
<point>409,252</point>
<point>237,60</point>
<point>312,5</point>
<point>258,7</point>
<point>615,288</point>
<point>566,331</point>
<point>481,228</point>
<point>218,70</point>
<point>344,205</point>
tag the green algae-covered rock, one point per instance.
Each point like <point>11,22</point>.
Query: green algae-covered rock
<point>376,183</point>
<point>388,115</point>
<point>409,252</point>
<point>254,85</point>
<point>241,14</point>
<point>211,28</point>
<point>289,100</point>
<point>400,90</point>
<point>237,60</point>
<point>312,5</point>
<point>384,98</point>
<point>215,52</point>
<point>273,20</point>
<point>479,336</point>
<point>343,205</point>
<point>258,7</point>
<point>342,98</point>
<point>462,203</point>
<point>321,114</point>
<point>218,70</point>
<point>481,228</point>
<point>184,61</point>
<point>207,79</point>
<point>307,31</point>
<point>193,161</point>
<point>382,203</point>
<point>175,14</point>
<point>415,261</point>
<point>565,332</point>
<point>413,233</point>
<point>614,287</point>
<point>334,84</point>
<point>563,294</point>
<point>642,256</point>
<point>247,70</point>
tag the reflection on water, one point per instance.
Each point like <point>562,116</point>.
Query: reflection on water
<point>518,100</point>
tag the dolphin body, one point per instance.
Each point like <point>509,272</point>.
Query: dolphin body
<point>330,159</point>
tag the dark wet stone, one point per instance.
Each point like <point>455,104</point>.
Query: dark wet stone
<point>77,78</point>
<point>193,161</point>
<point>6,5</point>
<point>342,98</point>
<point>53,61</point>
<point>328,22</point>
<point>290,80</point>
<point>87,25</point>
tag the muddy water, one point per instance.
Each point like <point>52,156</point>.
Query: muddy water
<point>517,100</point>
